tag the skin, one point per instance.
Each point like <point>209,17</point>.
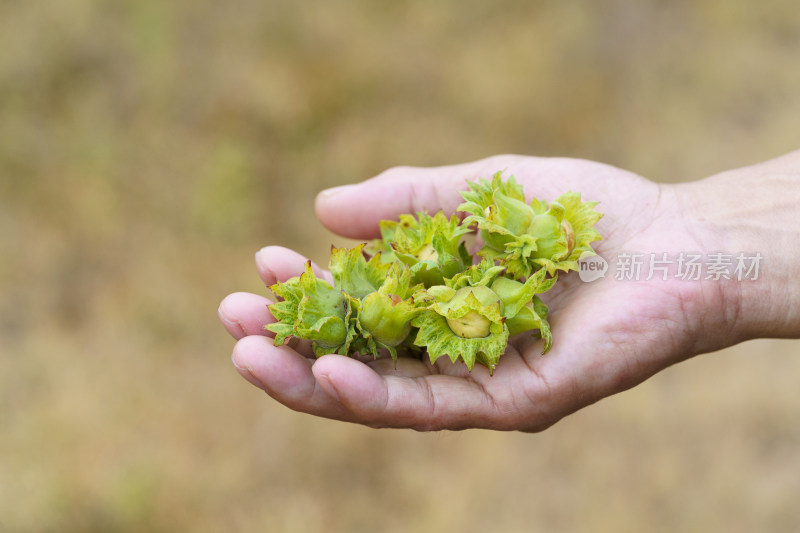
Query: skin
<point>608,335</point>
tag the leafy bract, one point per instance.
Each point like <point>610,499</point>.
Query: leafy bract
<point>430,245</point>
<point>353,274</point>
<point>465,324</point>
<point>384,317</point>
<point>418,288</point>
<point>527,237</point>
<point>312,309</point>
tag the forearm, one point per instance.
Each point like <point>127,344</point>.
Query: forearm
<point>755,210</point>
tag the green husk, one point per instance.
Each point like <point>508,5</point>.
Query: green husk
<point>419,288</point>
<point>528,237</point>
<point>430,246</point>
<point>312,309</point>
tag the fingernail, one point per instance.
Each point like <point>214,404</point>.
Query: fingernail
<point>227,320</point>
<point>330,389</point>
<point>259,260</point>
<point>327,193</point>
<point>237,365</point>
<point>262,261</point>
<point>247,373</point>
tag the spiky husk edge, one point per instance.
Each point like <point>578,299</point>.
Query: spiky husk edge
<point>435,335</point>
<point>299,303</point>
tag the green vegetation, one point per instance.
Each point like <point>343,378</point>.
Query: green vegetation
<point>421,288</point>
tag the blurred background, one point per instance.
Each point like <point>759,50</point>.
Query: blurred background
<point>149,148</point>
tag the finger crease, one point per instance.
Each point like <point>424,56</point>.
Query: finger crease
<point>488,397</point>
<point>540,376</point>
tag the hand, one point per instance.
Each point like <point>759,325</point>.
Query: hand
<point>608,335</point>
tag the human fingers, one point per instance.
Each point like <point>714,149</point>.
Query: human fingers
<point>355,210</point>
<point>419,401</point>
<point>276,263</point>
<point>286,376</point>
<point>245,314</point>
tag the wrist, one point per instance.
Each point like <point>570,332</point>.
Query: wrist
<point>752,214</point>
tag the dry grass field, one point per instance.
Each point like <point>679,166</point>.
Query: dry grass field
<point>149,148</point>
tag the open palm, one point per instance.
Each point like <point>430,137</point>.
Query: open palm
<point>608,335</point>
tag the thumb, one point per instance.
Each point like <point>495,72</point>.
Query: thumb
<point>354,211</point>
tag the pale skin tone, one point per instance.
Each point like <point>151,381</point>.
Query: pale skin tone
<point>608,335</point>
